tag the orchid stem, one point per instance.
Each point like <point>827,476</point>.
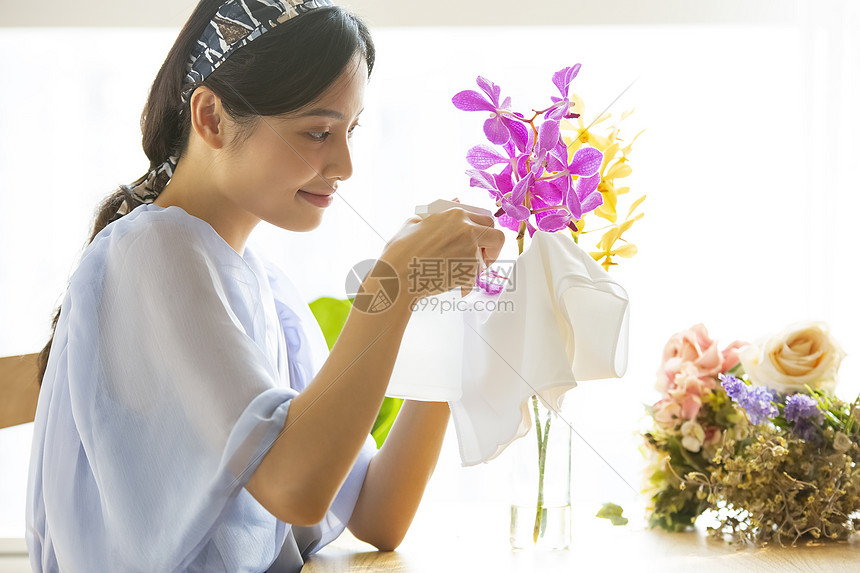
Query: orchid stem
<point>542,438</point>
<point>521,236</point>
<point>553,208</point>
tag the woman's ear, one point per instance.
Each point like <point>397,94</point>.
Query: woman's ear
<point>208,117</point>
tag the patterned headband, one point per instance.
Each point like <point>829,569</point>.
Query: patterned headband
<point>236,24</point>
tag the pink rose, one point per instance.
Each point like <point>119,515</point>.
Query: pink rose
<point>697,347</point>
<point>687,390</point>
<point>694,346</point>
<point>731,355</point>
<point>667,414</point>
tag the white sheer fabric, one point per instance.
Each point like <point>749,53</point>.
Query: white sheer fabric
<point>561,319</point>
<point>568,321</point>
<point>171,375</point>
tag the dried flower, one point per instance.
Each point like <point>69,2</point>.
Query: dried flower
<point>694,435</point>
<point>841,442</point>
<point>773,467</point>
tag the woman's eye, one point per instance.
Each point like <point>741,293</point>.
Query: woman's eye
<point>321,136</point>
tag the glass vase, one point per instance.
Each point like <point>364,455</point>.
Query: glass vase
<point>540,503</point>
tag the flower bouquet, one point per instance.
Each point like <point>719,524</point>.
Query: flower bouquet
<point>754,434</point>
<point>545,172</point>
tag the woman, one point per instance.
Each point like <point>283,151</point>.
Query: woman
<point>190,416</point>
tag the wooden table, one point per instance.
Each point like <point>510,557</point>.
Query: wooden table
<point>449,537</point>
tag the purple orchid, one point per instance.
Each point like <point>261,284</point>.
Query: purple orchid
<point>561,106</point>
<point>581,196</point>
<point>549,137</point>
<point>536,177</point>
<point>499,128</point>
<point>484,156</point>
<point>547,194</point>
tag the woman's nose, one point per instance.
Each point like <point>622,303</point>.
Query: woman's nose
<point>340,161</point>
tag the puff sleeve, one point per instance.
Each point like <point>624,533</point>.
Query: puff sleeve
<point>159,405</point>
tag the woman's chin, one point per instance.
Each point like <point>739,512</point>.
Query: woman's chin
<point>301,226</point>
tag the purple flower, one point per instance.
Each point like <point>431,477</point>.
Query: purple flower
<point>734,388</point>
<point>514,207</point>
<point>580,196</point>
<point>586,161</point>
<point>536,171</point>
<point>547,194</point>
<point>756,400</point>
<point>803,412</point>
<point>806,430</point>
<point>586,191</point>
<point>498,128</point>
<point>548,139</point>
<point>800,407</point>
<point>759,404</point>
<point>484,180</point>
<point>484,156</point>
<point>561,106</point>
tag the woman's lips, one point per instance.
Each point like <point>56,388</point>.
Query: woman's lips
<point>318,200</point>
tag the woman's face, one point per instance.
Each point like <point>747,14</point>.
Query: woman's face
<point>287,170</point>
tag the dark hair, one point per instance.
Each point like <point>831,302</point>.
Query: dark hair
<point>280,72</point>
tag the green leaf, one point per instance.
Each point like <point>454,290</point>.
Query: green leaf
<point>612,512</point>
<point>737,370</point>
<point>385,419</point>
<point>727,416</point>
<point>331,314</point>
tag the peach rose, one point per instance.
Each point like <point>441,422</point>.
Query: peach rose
<point>803,354</point>
<point>696,347</point>
<point>688,389</point>
<point>731,354</point>
<point>667,414</point>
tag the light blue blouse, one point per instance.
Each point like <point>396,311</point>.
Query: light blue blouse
<point>171,373</point>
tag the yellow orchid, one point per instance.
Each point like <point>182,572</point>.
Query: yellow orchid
<point>608,240</point>
<point>613,167</point>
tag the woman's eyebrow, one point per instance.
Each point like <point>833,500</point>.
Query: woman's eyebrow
<point>321,112</point>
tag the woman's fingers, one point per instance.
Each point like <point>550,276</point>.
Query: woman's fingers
<point>485,220</point>
<point>490,242</point>
<point>454,235</point>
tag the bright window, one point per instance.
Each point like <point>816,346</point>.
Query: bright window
<point>750,136</point>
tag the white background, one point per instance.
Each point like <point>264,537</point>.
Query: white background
<point>747,161</point>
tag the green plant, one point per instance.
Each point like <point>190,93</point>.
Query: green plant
<point>331,314</point>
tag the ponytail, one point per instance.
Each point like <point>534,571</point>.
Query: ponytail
<point>164,134</point>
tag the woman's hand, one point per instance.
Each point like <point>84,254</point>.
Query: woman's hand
<point>424,251</point>
<point>328,422</point>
